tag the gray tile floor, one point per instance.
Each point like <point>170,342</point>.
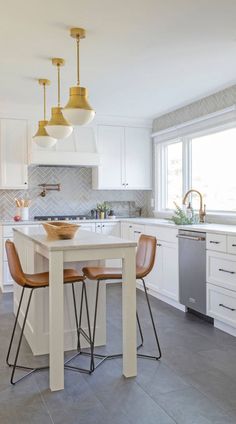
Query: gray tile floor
<point>194,383</point>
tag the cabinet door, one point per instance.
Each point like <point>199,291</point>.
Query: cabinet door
<point>14,151</point>
<point>125,230</point>
<point>110,173</point>
<point>170,277</point>
<point>112,229</point>
<point>98,228</point>
<point>154,279</point>
<point>138,159</point>
<point>88,227</point>
<point>135,231</point>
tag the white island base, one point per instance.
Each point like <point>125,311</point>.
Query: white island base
<point>37,325</point>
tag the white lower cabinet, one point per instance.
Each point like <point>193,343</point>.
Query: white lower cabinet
<point>88,226</point>
<point>132,231</point>
<point>163,280</point>
<point>221,304</point>
<point>164,277</point>
<point>111,229</point>
<point>221,269</point>
<point>6,281</point>
<point>221,281</point>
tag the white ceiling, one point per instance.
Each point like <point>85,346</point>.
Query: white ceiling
<point>140,58</point>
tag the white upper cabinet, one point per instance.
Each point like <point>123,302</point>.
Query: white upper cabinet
<point>14,135</point>
<point>125,159</point>
<point>110,174</point>
<point>138,154</point>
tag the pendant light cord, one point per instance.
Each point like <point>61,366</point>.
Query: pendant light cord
<point>44,101</point>
<point>58,86</point>
<point>78,76</point>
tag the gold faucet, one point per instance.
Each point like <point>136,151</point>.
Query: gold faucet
<point>202,210</point>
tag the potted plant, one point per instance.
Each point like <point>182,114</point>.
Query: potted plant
<point>102,209</point>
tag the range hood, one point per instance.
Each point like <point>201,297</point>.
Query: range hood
<point>80,149</point>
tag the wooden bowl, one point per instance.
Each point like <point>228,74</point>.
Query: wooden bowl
<point>60,230</point>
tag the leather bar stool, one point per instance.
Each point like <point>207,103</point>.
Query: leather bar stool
<point>37,281</point>
<point>145,258</point>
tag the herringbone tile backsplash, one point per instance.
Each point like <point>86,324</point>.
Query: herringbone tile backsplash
<point>76,195</point>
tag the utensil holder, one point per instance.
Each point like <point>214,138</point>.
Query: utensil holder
<point>24,213</point>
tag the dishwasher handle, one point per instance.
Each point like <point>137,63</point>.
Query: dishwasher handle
<point>196,238</point>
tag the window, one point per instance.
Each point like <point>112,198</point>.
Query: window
<point>174,174</point>
<point>205,162</point>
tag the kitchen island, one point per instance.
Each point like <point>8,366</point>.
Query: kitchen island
<point>36,251</point>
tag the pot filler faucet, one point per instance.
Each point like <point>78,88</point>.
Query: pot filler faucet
<point>202,209</point>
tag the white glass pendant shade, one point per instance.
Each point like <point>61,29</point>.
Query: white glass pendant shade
<point>58,127</point>
<point>78,110</point>
<point>59,132</point>
<point>79,116</point>
<point>42,138</point>
<point>45,141</point>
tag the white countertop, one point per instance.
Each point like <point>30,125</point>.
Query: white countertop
<point>206,227</point>
<point>83,239</point>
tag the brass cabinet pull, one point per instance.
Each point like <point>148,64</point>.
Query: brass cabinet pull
<point>225,270</point>
<point>227,307</point>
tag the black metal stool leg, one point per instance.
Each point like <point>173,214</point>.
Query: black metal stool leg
<point>19,343</point>
<point>140,331</point>
<point>15,365</point>
<point>14,327</point>
<point>76,314</point>
<point>96,355</point>
<point>153,325</point>
<point>89,329</point>
<point>80,331</point>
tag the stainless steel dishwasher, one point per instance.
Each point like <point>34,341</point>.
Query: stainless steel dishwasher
<point>192,270</point>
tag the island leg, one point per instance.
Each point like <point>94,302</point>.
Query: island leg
<point>129,313</point>
<point>56,321</point>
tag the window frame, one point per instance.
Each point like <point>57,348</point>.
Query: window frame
<point>160,184</point>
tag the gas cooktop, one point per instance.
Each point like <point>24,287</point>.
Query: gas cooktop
<point>60,217</point>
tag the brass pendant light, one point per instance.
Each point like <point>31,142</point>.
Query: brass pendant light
<point>58,126</point>
<point>42,138</point>
<point>78,111</point>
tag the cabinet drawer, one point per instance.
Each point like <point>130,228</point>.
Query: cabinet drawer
<point>221,270</point>
<point>221,304</point>
<point>162,233</point>
<point>216,242</point>
<point>231,244</point>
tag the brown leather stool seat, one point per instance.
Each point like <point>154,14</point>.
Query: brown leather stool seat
<point>102,273</point>
<point>41,279</point>
<point>37,281</point>
<point>145,258</point>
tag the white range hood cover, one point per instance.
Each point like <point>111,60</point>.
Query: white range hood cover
<point>80,149</point>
